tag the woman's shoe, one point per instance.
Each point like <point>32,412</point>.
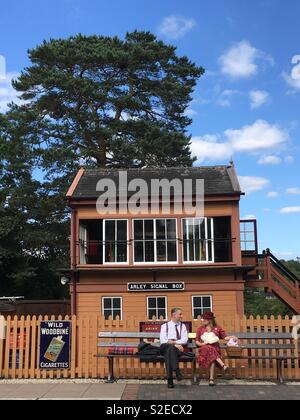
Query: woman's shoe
<point>211,382</point>
<point>225,368</point>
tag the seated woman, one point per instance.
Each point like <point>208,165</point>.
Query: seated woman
<point>208,336</point>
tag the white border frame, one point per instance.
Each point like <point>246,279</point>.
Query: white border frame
<point>201,296</point>
<point>155,262</point>
<point>103,240</point>
<point>111,297</point>
<point>206,239</point>
<point>155,297</point>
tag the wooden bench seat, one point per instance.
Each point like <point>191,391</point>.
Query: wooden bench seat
<point>257,344</point>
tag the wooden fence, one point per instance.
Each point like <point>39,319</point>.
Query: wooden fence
<point>19,353</point>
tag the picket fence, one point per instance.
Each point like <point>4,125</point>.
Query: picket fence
<point>19,352</point>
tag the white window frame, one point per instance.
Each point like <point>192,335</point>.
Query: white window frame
<point>155,262</point>
<point>157,297</point>
<point>201,296</point>
<point>104,241</point>
<point>207,261</point>
<point>112,297</point>
<point>82,246</point>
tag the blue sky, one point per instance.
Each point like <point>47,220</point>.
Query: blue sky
<point>246,106</point>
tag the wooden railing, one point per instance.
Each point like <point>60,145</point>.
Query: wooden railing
<point>19,353</point>
<point>278,279</point>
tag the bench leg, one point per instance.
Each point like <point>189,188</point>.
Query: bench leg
<point>194,371</point>
<point>111,377</point>
<point>279,363</point>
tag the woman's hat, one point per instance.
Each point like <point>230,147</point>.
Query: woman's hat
<point>208,316</point>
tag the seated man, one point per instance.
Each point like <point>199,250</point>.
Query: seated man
<point>173,336</point>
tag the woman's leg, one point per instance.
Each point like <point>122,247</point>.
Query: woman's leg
<point>221,363</point>
<point>212,371</point>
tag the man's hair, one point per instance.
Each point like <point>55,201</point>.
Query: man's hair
<point>174,310</point>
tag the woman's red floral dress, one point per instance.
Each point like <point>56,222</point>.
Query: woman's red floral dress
<point>211,352</point>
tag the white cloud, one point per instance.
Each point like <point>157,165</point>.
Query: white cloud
<point>289,159</point>
<point>251,184</point>
<point>284,253</point>
<point>290,210</point>
<point>269,160</point>
<point>208,148</point>
<point>258,98</point>
<point>2,67</point>
<point>240,61</point>
<point>293,78</point>
<point>272,194</point>
<point>7,93</point>
<point>249,217</point>
<point>175,27</point>
<point>190,112</point>
<point>293,191</point>
<point>226,96</point>
<point>255,138</point>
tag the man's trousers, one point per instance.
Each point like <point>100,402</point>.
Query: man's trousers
<point>171,355</point>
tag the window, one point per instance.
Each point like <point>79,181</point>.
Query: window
<point>155,240</point>
<point>248,236</point>
<point>112,306</point>
<point>198,240</point>
<point>115,241</point>
<point>157,306</point>
<point>222,239</point>
<point>201,304</point>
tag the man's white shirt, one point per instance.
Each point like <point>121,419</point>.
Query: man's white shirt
<point>171,334</point>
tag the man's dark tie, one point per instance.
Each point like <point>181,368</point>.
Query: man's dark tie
<point>177,332</point>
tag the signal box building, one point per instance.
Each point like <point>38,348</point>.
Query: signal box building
<point>142,265</point>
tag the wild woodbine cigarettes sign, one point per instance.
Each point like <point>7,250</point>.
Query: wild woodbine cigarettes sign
<point>142,287</point>
<point>55,345</point>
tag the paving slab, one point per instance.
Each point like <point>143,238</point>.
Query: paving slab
<point>30,391</point>
<point>219,392</point>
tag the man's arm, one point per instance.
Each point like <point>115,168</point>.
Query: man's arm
<point>163,334</point>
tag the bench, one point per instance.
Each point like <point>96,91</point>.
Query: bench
<point>265,343</point>
<point>253,343</point>
<point>140,336</point>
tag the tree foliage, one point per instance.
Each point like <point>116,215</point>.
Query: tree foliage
<point>87,100</point>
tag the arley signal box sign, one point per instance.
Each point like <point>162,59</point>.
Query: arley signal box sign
<point>155,287</point>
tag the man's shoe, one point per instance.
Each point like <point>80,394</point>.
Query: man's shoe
<point>170,383</point>
<point>179,376</point>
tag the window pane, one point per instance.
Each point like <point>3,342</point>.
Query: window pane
<point>138,229</point>
<point>206,302</point>
<point>121,252</point>
<point>171,229</point>
<point>197,312</point>
<point>149,251</point>
<point>107,303</point>
<point>110,251</point>
<point>197,302</point>
<point>117,313</point>
<point>122,230</point>
<point>172,251</point>
<point>152,303</point>
<point>110,230</point>
<point>138,252</point>
<point>151,313</point>
<point>161,303</point>
<point>107,313</point>
<point>117,303</point>
<point>161,229</point>
<point>161,251</point>
<point>149,234</point>
<point>161,312</point>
